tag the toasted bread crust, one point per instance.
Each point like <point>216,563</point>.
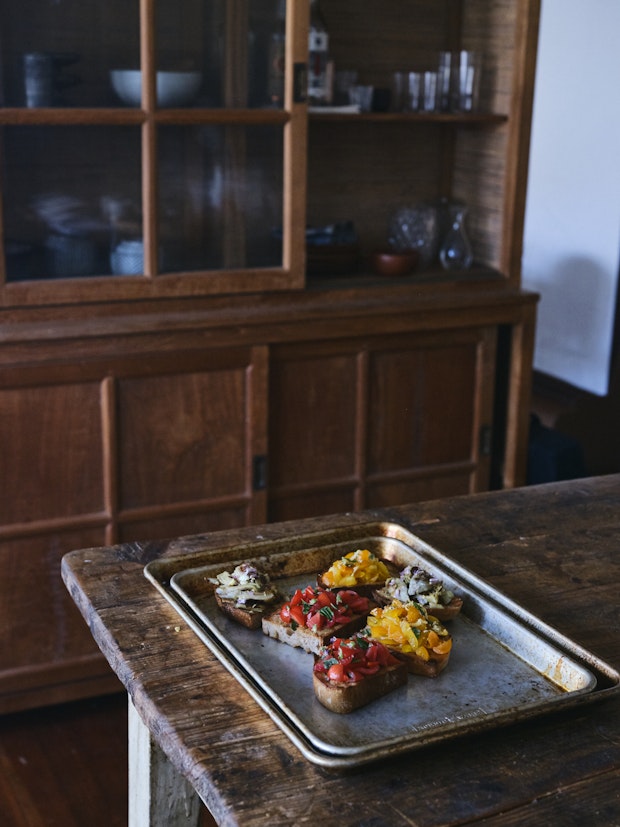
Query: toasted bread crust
<point>363,589</point>
<point>344,698</point>
<point>448,611</point>
<point>417,666</point>
<point>247,618</point>
<point>305,638</point>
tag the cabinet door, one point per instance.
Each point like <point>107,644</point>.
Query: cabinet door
<point>145,141</point>
<point>133,448</point>
<point>378,422</point>
<point>315,429</point>
<point>187,442</point>
<point>429,399</point>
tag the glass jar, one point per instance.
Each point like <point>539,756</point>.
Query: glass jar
<point>416,228</point>
<point>455,252</point>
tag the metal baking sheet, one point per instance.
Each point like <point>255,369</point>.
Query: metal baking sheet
<point>505,664</point>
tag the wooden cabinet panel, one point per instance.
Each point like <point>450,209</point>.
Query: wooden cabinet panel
<point>312,501</point>
<point>45,647</point>
<point>186,442</point>
<point>50,444</point>
<point>312,415</point>
<point>37,600</point>
<point>380,420</point>
<point>172,443</point>
<point>431,397</point>
<point>422,405</point>
<point>383,493</point>
<point>177,525</point>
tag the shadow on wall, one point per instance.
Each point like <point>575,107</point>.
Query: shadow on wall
<point>575,318</point>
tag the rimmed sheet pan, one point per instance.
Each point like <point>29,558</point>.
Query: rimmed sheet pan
<point>505,664</point>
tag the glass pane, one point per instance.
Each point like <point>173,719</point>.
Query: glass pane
<point>235,48</point>
<point>70,195</point>
<point>220,191</point>
<point>61,53</point>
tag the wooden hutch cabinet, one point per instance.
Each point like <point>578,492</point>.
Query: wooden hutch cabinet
<point>168,365</point>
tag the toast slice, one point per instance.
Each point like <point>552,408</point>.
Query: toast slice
<point>302,637</point>
<point>418,639</point>
<point>360,570</point>
<point>363,589</point>
<point>416,665</point>
<point>417,585</point>
<point>353,672</point>
<point>447,611</point>
<point>248,615</point>
<point>245,594</point>
<point>313,616</point>
<point>440,611</point>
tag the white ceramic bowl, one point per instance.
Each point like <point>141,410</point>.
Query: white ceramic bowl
<point>173,88</point>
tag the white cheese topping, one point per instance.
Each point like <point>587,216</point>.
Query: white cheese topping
<point>245,585</point>
<point>416,584</point>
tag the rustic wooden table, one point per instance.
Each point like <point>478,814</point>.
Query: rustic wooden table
<point>554,549</point>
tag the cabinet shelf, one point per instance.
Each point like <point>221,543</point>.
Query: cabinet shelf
<point>18,116</point>
<point>113,116</point>
<point>452,118</point>
<point>435,278</point>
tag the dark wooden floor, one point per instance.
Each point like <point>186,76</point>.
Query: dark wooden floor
<point>66,766</point>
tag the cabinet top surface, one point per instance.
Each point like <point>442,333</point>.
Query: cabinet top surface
<point>324,299</point>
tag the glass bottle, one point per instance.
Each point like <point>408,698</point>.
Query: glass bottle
<point>455,252</point>
<point>319,93</point>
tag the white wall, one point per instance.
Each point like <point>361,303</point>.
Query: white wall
<point>572,222</point>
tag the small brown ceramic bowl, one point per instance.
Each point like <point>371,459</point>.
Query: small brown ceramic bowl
<point>392,263</point>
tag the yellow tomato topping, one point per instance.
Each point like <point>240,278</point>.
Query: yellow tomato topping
<point>355,569</point>
<point>407,627</point>
<point>432,639</point>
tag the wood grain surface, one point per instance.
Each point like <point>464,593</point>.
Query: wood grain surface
<point>552,548</point>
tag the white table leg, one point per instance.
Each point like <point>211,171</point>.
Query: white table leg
<point>158,795</point>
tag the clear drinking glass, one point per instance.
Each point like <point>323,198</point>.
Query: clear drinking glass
<point>444,80</point>
<point>467,81</point>
<point>430,92</point>
<point>399,92</point>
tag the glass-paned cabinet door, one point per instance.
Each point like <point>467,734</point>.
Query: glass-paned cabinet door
<point>60,191</point>
<point>231,51</point>
<point>145,139</point>
<point>219,197</point>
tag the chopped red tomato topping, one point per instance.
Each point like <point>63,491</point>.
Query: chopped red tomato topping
<point>322,608</point>
<point>346,660</point>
